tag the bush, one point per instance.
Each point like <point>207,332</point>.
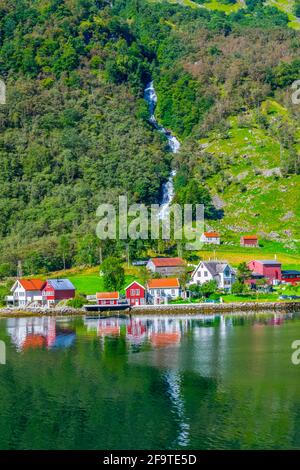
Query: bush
<point>78,302</point>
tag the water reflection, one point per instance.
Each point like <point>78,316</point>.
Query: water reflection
<point>156,382</point>
<point>39,332</point>
<point>157,331</point>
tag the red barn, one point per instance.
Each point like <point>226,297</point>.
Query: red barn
<point>56,290</point>
<point>107,298</point>
<point>136,293</point>
<point>291,276</point>
<point>270,269</point>
<point>249,241</point>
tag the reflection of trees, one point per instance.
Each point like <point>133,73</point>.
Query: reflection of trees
<point>231,387</point>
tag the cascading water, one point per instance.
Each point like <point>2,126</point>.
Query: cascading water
<point>174,145</point>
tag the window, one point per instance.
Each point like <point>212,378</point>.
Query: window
<point>198,273</point>
<point>205,273</point>
<point>132,292</point>
<point>173,291</point>
<point>137,292</point>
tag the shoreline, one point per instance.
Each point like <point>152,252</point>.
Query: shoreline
<point>170,309</point>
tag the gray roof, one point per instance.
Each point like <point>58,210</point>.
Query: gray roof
<point>61,284</point>
<point>269,262</point>
<point>216,267</point>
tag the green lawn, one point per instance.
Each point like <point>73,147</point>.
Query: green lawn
<point>89,284</point>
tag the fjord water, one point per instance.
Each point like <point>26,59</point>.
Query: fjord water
<point>150,383</point>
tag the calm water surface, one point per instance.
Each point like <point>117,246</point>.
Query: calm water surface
<point>150,383</point>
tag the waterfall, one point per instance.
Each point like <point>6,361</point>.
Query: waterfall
<point>174,145</point>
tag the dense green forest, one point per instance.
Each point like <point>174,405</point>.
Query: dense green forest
<point>75,132</point>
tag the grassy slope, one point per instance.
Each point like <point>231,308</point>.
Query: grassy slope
<point>287,7</point>
<point>261,202</point>
<point>212,5</point>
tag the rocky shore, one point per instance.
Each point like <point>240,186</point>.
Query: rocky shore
<point>171,309</point>
<point>203,308</point>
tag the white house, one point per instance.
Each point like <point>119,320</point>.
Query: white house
<point>162,290</point>
<point>219,271</point>
<point>212,238</point>
<point>26,291</point>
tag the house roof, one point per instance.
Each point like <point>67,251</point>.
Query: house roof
<point>249,237</point>
<point>61,284</point>
<point>167,262</point>
<point>291,271</point>
<point>134,282</point>
<point>107,295</point>
<point>214,267</point>
<point>163,283</point>
<point>211,234</point>
<point>32,284</point>
<point>268,262</point>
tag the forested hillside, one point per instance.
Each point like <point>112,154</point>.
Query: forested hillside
<point>75,131</point>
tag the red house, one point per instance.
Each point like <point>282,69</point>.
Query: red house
<point>270,269</point>
<point>56,290</point>
<point>291,276</point>
<point>135,293</point>
<point>249,241</point>
<point>107,298</point>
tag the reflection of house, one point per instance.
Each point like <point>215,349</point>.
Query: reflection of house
<point>166,266</point>
<point>212,238</point>
<point>219,271</point>
<point>162,290</point>
<point>135,293</point>
<point>160,340</point>
<point>38,332</point>
<point>250,241</point>
<point>270,269</point>
<point>57,290</point>
<point>107,298</point>
<point>26,291</point>
<point>108,327</point>
<point>136,331</point>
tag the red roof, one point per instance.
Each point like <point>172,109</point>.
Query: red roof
<point>107,295</point>
<point>32,284</point>
<point>167,262</point>
<point>166,282</point>
<point>212,234</point>
<point>134,282</point>
<point>250,237</point>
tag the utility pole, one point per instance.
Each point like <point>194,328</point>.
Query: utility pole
<point>100,255</point>
<point>127,254</point>
<point>19,269</point>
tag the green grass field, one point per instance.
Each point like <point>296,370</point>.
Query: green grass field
<point>235,255</point>
<point>89,284</point>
